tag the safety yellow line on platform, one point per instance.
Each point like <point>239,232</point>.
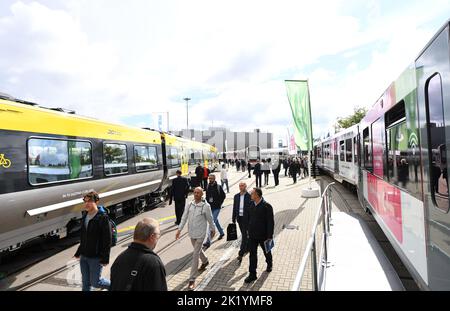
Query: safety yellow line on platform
<point>132,227</point>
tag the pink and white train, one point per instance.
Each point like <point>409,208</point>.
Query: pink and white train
<point>396,157</point>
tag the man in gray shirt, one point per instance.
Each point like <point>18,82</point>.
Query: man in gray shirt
<point>198,215</point>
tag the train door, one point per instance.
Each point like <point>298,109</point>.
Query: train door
<point>359,155</point>
<point>341,154</point>
<point>336,156</point>
<point>433,74</point>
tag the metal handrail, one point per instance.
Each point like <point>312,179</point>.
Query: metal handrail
<point>325,212</point>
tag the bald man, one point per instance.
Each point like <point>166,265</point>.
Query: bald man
<point>138,268</point>
<point>198,215</point>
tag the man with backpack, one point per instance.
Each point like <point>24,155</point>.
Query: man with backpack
<point>197,214</point>
<point>215,197</point>
<point>95,243</point>
<point>138,268</point>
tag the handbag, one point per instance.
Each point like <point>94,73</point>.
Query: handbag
<point>231,232</point>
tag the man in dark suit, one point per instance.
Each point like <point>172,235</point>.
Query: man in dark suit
<point>276,172</point>
<point>261,224</point>
<point>258,173</point>
<point>285,166</point>
<point>294,168</point>
<point>199,175</point>
<point>241,204</point>
<point>179,193</point>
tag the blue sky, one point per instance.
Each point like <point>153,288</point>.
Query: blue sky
<point>122,60</point>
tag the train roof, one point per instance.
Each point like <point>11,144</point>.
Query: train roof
<point>18,115</point>
<point>402,85</point>
<point>352,129</point>
<point>174,140</point>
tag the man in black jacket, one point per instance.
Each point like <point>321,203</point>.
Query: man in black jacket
<point>138,268</point>
<point>243,165</point>
<point>260,229</point>
<point>215,197</point>
<point>285,166</point>
<point>180,189</point>
<point>199,175</point>
<point>95,243</point>
<point>258,173</point>
<point>276,172</point>
<point>241,204</point>
<point>294,169</point>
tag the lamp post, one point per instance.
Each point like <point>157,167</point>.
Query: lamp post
<point>187,99</point>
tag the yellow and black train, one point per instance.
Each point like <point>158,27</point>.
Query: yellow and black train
<point>50,158</point>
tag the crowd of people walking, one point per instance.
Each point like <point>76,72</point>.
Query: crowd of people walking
<point>140,268</point>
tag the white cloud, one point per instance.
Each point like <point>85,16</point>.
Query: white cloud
<point>114,59</point>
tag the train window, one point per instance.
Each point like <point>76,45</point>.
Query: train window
<point>397,146</point>
<point>348,150</point>
<point>174,158</point>
<point>145,158</point>
<point>342,150</point>
<point>51,160</point>
<point>367,152</point>
<point>355,150</point>
<point>115,159</point>
<point>436,143</point>
<point>198,156</point>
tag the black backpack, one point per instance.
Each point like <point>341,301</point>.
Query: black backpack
<point>105,211</point>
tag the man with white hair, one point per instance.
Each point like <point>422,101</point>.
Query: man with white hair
<point>138,268</point>
<point>198,215</point>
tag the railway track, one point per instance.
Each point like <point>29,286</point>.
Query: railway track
<point>127,238</point>
<point>122,239</point>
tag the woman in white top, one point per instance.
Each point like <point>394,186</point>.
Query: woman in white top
<point>224,177</point>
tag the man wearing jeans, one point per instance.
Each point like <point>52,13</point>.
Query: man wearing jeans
<point>198,215</point>
<point>215,197</point>
<point>95,243</point>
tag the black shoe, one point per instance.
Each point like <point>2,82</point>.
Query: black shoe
<point>221,236</point>
<point>250,278</point>
<point>269,268</point>
<point>203,266</point>
<point>206,246</point>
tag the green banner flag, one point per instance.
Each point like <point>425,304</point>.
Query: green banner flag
<point>298,95</point>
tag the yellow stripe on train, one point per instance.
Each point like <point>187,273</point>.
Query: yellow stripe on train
<point>25,118</point>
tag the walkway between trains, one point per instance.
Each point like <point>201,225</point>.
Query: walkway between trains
<point>294,218</point>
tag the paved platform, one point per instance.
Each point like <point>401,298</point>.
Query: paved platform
<point>226,274</point>
<point>356,260</point>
